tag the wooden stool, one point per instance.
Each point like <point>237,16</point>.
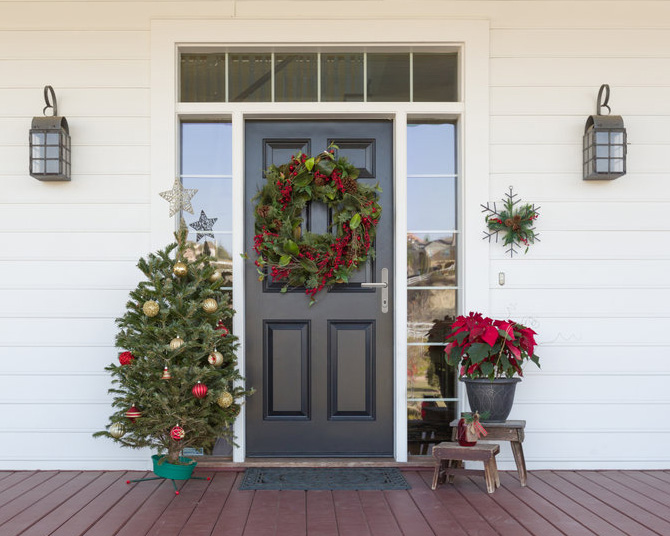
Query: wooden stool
<point>450,457</point>
<point>512,431</point>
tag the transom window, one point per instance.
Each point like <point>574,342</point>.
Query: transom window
<point>263,76</point>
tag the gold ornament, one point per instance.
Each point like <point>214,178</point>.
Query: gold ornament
<point>166,374</point>
<point>210,305</point>
<point>179,269</point>
<point>117,430</point>
<point>216,276</point>
<point>150,308</point>
<point>176,343</point>
<point>215,359</point>
<point>225,399</point>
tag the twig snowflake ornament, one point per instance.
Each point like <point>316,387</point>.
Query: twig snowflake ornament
<point>516,223</point>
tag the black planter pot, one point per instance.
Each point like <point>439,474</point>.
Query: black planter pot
<point>495,397</point>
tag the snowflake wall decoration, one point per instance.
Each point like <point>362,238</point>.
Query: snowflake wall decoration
<point>516,223</point>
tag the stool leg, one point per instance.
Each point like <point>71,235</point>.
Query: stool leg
<point>436,474</point>
<point>455,464</point>
<point>494,471</point>
<point>517,450</point>
<point>488,477</point>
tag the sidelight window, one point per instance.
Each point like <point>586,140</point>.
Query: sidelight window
<point>432,279</point>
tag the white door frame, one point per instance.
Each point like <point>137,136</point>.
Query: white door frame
<point>472,114</point>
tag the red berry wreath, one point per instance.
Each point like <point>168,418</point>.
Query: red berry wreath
<point>309,260</point>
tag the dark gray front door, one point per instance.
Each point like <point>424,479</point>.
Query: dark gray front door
<point>323,374</point>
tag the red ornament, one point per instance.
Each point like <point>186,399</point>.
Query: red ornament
<point>224,329</point>
<point>177,433</point>
<point>125,358</point>
<point>133,413</point>
<point>199,390</point>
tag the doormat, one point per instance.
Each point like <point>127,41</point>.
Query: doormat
<point>326,478</point>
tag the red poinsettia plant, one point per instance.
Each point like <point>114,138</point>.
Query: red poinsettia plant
<point>488,348</point>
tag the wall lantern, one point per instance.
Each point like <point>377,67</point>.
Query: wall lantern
<point>604,142</point>
<point>50,143</point>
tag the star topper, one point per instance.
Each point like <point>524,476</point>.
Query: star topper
<point>179,197</point>
<point>203,224</point>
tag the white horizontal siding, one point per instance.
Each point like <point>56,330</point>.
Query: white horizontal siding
<point>595,288</point>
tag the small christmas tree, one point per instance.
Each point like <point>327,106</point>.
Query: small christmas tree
<point>175,384</point>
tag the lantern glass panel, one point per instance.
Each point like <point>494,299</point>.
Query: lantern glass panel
<point>53,166</point>
<point>617,138</point>
<point>38,166</point>
<point>38,138</point>
<point>53,138</point>
<point>38,151</point>
<point>602,165</point>
<point>616,165</point>
<point>53,152</point>
<point>616,151</point>
<point>602,138</point>
<point>602,151</point>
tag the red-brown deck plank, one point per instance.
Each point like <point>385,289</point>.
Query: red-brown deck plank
<point>442,507</point>
<point>633,506</point>
<point>653,487</point>
<point>153,508</point>
<point>208,509</point>
<point>31,497</point>
<point>235,512</point>
<point>23,482</point>
<point>349,513</point>
<point>582,492</point>
<point>523,512</point>
<point>262,519</point>
<point>378,513</point>
<point>108,512</point>
<point>292,517</point>
<point>321,520</point>
<point>473,489</point>
<point>47,504</point>
<point>663,476</point>
<point>179,512</point>
<point>407,514</point>
<point>60,515</point>
<point>571,505</point>
<point>555,516</point>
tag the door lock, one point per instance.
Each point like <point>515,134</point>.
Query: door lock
<point>384,285</point>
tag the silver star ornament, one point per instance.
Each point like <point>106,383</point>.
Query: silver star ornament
<point>203,224</point>
<point>179,197</point>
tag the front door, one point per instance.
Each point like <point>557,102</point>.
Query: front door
<point>323,374</point>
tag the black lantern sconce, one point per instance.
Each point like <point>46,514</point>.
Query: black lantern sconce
<point>50,143</point>
<point>604,142</point>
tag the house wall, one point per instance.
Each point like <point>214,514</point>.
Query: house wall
<point>594,289</point>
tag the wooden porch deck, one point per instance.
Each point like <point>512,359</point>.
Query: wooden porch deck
<point>72,503</point>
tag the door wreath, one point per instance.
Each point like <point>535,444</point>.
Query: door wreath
<point>313,261</point>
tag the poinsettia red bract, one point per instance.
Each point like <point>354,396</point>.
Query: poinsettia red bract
<point>486,348</point>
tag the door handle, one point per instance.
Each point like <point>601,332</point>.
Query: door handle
<point>384,285</point>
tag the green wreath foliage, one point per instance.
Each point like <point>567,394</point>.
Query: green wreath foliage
<point>304,259</point>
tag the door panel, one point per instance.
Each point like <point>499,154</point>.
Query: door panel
<point>323,374</point>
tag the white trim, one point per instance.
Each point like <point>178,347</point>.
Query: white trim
<point>400,288</point>
<point>471,36</point>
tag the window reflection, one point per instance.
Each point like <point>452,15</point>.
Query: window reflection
<point>295,78</point>
<point>220,248</point>
<point>206,148</point>
<point>431,260</point>
<point>215,197</point>
<point>341,77</point>
<point>388,77</point>
<point>250,77</point>
<point>431,203</point>
<point>431,148</point>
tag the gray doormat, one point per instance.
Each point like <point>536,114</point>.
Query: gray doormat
<point>331,478</point>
